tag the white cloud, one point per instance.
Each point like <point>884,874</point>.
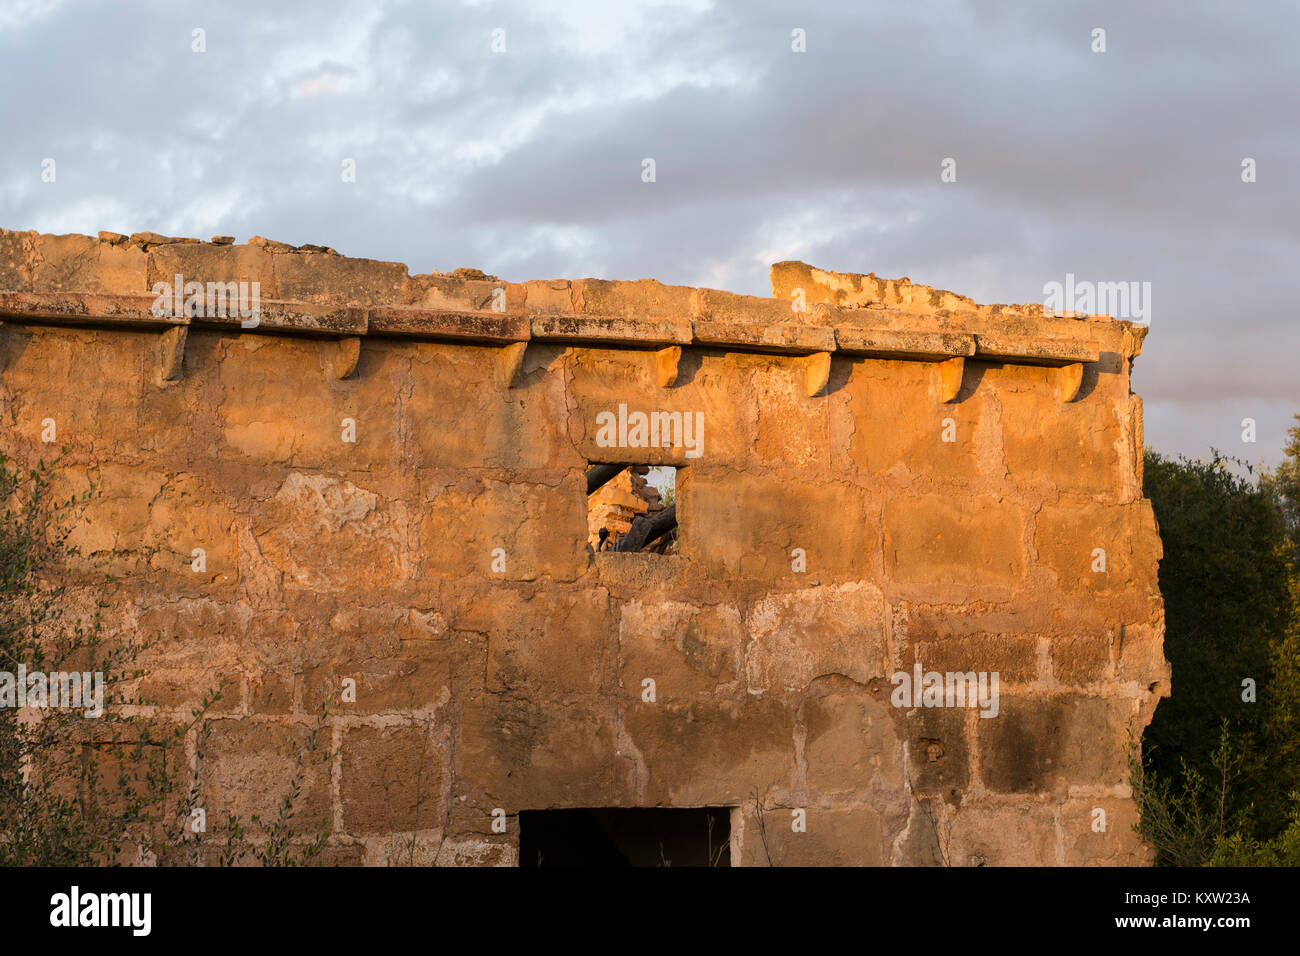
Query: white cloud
<point>17,14</point>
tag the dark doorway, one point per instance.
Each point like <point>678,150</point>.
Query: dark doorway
<point>699,836</point>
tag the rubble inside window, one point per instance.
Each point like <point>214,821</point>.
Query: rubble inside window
<point>632,508</point>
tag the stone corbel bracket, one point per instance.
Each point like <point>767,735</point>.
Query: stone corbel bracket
<point>1064,357</point>
<point>951,373</point>
<point>599,331</point>
<point>717,320</point>
<point>347,355</point>
<point>1067,380</point>
<point>339,328</point>
<point>947,350</point>
<point>817,371</point>
<point>171,353</point>
<point>510,364</point>
<point>105,311</point>
<point>509,331</point>
<point>812,344</point>
<point>666,362</point>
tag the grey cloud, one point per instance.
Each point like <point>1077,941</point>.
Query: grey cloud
<point>1115,166</point>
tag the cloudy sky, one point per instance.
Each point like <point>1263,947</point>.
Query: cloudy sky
<point>1122,165</point>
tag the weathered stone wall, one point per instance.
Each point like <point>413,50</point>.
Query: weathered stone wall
<point>519,685</point>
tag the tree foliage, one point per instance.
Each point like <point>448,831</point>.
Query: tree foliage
<point>1219,768</point>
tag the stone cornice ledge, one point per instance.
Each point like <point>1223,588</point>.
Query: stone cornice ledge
<point>312,291</point>
<point>847,337</point>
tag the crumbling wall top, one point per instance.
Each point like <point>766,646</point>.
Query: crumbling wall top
<point>116,280</point>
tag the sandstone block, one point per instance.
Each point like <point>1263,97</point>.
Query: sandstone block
<point>249,767</point>
<point>945,642</point>
<point>938,754</point>
<point>519,754</point>
<point>851,742</point>
<point>799,636</point>
<point>393,779</point>
<point>739,525</point>
<point>1092,464</point>
<point>689,652</point>
<point>323,534</point>
<point>1100,549</point>
<point>1002,836</point>
<point>709,754</point>
<point>1035,743</point>
<point>1104,838</point>
<point>1081,657</point>
<point>848,836</point>
<point>904,431</point>
<point>954,542</point>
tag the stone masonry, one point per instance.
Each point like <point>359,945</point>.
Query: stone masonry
<point>385,476</point>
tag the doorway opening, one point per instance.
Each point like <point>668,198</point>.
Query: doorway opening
<point>604,837</point>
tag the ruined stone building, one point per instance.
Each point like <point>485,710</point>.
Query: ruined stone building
<point>347,475</point>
